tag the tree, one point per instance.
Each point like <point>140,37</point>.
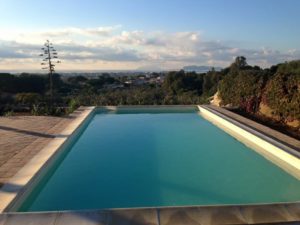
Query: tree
<point>28,98</point>
<point>180,82</point>
<point>282,92</point>
<point>239,63</point>
<point>49,60</point>
<point>7,82</point>
<point>210,82</point>
<point>242,86</point>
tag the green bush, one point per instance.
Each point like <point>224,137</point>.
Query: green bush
<point>46,110</point>
<point>242,86</point>
<point>9,113</point>
<point>282,94</point>
<point>28,98</point>
<point>73,105</point>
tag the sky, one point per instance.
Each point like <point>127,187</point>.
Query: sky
<point>148,34</point>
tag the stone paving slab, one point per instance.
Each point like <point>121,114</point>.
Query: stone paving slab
<point>133,217</point>
<point>263,214</point>
<point>22,137</point>
<point>31,219</point>
<point>294,209</point>
<point>214,215</point>
<point>2,218</point>
<point>17,184</point>
<point>82,218</point>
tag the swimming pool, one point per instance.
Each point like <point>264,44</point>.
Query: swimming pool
<point>153,157</point>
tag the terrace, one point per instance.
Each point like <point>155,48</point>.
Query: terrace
<point>25,137</point>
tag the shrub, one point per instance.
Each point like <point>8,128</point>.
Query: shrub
<point>282,94</point>
<point>73,105</point>
<point>46,110</point>
<point>28,98</point>
<point>9,113</point>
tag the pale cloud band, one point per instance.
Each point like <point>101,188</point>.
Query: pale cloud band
<point>113,48</point>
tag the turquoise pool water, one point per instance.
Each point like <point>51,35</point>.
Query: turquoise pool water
<point>158,158</point>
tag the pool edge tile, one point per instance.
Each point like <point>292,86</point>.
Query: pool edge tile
<point>131,216</point>
<point>266,214</point>
<point>82,218</point>
<point>32,219</point>
<point>202,215</point>
<point>179,216</point>
<point>294,210</point>
<point>3,218</point>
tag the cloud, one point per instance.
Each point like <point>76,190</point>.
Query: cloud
<point>72,31</point>
<point>12,49</point>
<point>112,46</point>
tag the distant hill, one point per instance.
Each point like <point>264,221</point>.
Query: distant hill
<point>200,69</point>
<point>150,68</point>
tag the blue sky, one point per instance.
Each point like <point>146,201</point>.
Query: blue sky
<point>266,28</point>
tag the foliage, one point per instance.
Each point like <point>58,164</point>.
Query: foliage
<point>180,82</point>
<point>278,87</point>
<point>37,110</point>
<point>28,83</point>
<point>138,96</point>
<point>282,93</point>
<point>210,82</point>
<point>242,86</point>
<point>46,110</point>
<point>77,81</point>
<point>22,83</point>
<point>292,67</point>
<point>73,105</point>
<point>9,113</point>
<point>28,98</point>
<point>239,85</point>
<point>97,84</point>
<point>240,63</point>
<point>7,82</point>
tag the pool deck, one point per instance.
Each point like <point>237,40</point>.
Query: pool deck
<point>25,137</point>
<point>17,185</point>
<point>22,137</point>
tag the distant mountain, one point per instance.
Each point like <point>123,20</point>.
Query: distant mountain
<point>150,68</point>
<point>200,69</point>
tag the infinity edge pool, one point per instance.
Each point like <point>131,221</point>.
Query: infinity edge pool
<point>29,176</point>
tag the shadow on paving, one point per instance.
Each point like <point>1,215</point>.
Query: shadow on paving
<point>32,133</point>
<point>9,187</point>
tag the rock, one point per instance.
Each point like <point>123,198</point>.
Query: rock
<point>216,100</point>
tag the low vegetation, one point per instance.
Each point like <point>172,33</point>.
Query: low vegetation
<point>273,92</point>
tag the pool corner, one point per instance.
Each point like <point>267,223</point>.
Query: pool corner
<point>13,190</point>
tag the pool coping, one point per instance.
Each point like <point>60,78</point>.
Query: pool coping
<point>275,151</point>
<point>12,190</point>
<point>278,141</point>
<point>8,193</point>
<point>191,215</point>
